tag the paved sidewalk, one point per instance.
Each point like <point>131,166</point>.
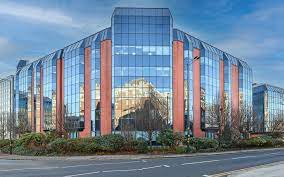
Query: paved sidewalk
<point>123,157</point>
<point>270,170</point>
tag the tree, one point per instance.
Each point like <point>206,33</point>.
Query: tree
<point>151,115</point>
<point>214,118</point>
<point>22,125</point>
<point>3,126</point>
<point>218,117</point>
<point>277,126</point>
<point>148,120</point>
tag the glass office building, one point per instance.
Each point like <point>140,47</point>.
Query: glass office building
<point>6,106</point>
<point>140,74</point>
<point>268,107</point>
<point>142,68</point>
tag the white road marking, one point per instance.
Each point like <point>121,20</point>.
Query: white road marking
<point>206,176</point>
<point>207,161</point>
<point>21,169</point>
<point>274,153</point>
<point>72,166</point>
<point>135,169</point>
<point>244,157</point>
<point>83,174</point>
<point>112,171</point>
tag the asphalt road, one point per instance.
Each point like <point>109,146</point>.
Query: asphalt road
<point>196,166</point>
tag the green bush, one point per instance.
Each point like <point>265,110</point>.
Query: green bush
<point>166,138</point>
<point>255,142</point>
<point>203,143</point>
<point>4,143</point>
<point>263,141</point>
<point>85,145</point>
<point>51,136</point>
<point>32,140</point>
<point>141,146</point>
<point>110,143</point>
<point>61,146</point>
<point>190,149</point>
<point>180,150</point>
<point>21,150</point>
<point>92,148</point>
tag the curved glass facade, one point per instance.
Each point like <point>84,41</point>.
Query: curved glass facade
<point>49,92</point>
<point>188,85</point>
<point>74,85</point>
<point>209,84</point>
<point>142,68</point>
<point>37,94</point>
<point>24,97</point>
<point>235,86</point>
<point>140,74</point>
<point>245,90</point>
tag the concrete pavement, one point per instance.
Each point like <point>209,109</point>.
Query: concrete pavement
<point>194,166</point>
<point>270,170</point>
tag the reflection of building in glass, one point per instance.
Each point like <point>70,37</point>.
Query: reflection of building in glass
<point>147,99</point>
<point>268,107</point>
<point>138,74</point>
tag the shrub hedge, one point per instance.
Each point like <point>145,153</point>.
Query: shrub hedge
<point>258,142</point>
<point>203,143</point>
<point>50,144</point>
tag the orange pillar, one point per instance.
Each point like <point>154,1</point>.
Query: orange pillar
<point>59,95</point>
<point>197,132</point>
<point>87,91</point>
<point>235,94</point>
<point>178,87</point>
<point>106,87</point>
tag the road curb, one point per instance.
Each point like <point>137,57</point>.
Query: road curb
<point>235,173</point>
<point>126,157</point>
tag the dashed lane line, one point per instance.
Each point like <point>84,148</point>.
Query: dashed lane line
<point>122,170</point>
<point>72,166</point>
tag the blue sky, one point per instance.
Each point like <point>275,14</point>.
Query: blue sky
<point>249,29</point>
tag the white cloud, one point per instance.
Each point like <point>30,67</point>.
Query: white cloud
<point>256,35</point>
<point>37,14</point>
<point>6,47</point>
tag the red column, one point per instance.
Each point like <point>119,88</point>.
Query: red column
<point>106,87</point>
<point>178,87</point>
<point>87,91</point>
<point>235,94</point>
<point>197,132</point>
<point>59,95</point>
